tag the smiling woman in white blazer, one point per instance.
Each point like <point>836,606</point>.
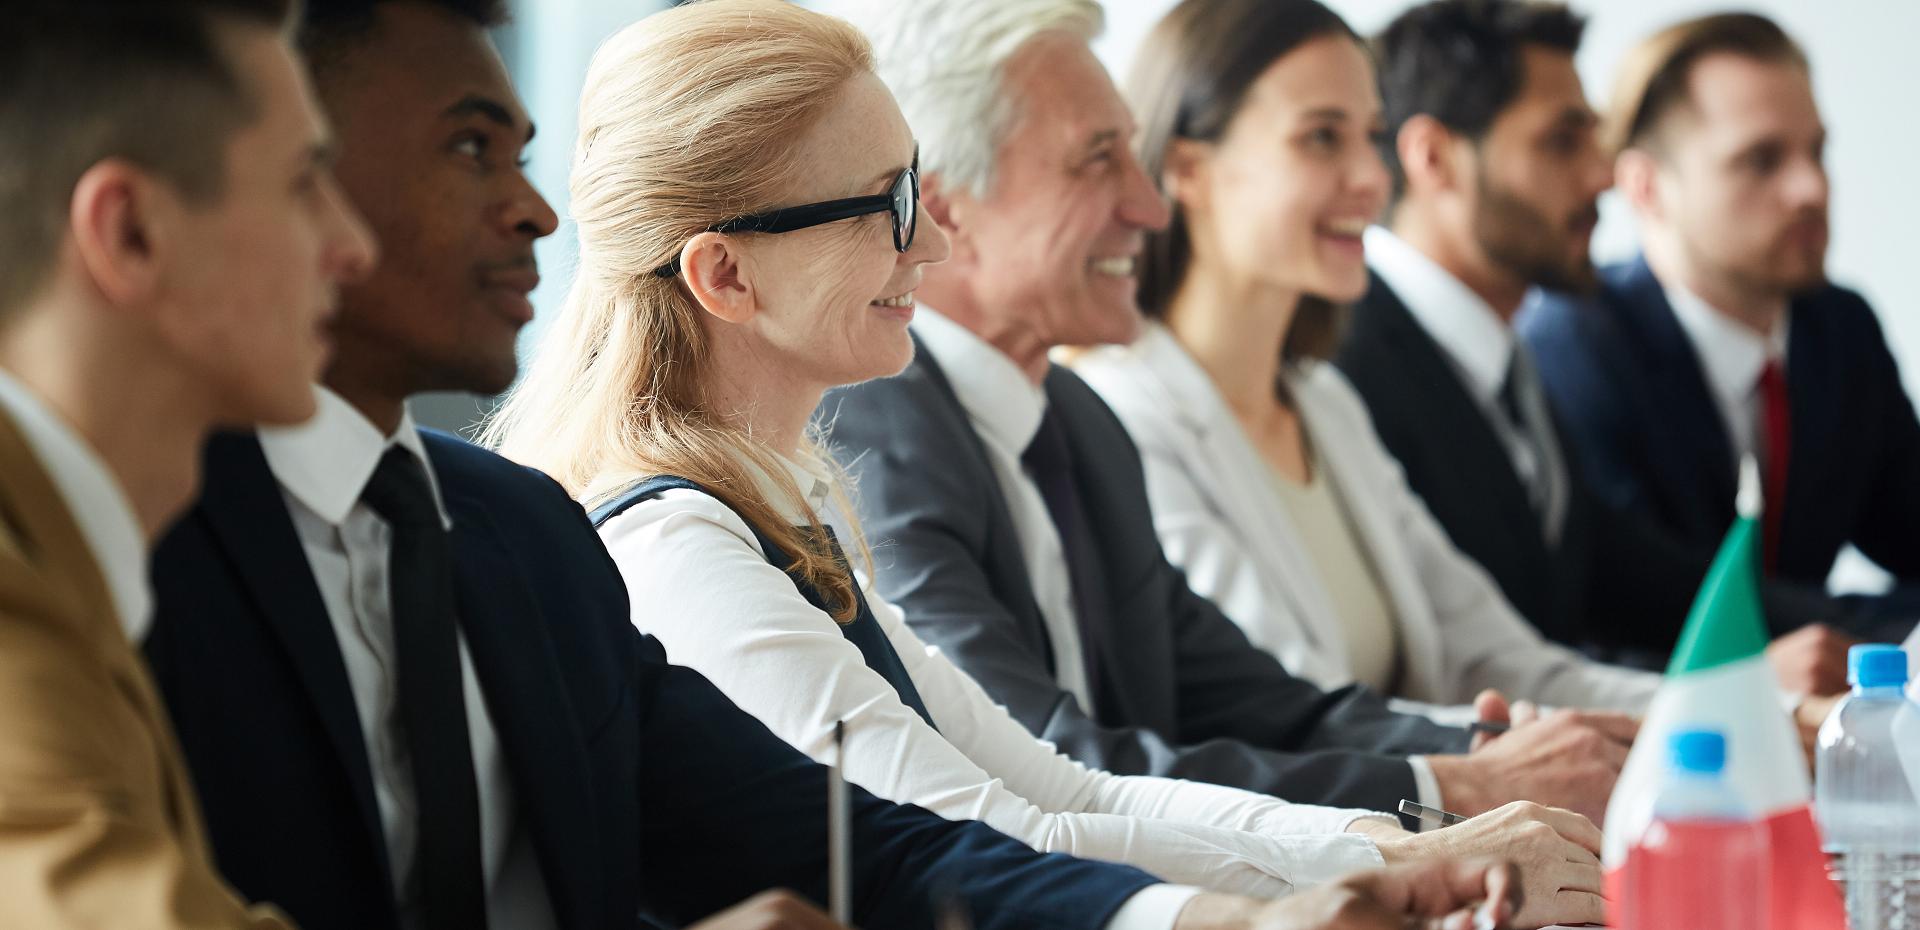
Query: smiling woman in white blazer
<point>1268,483</point>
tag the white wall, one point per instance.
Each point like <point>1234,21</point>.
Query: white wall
<point>1866,71</point>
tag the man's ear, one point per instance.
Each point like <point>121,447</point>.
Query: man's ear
<point>716,273</point>
<point>953,211</point>
<point>1636,175</point>
<point>117,221</point>
<point>1427,155</point>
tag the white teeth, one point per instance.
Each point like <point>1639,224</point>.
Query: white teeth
<point>1347,227</point>
<point>904,300</point>
<point>1118,267</point>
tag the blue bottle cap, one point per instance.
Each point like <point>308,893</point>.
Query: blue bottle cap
<point>1877,665</point>
<point>1702,752</point>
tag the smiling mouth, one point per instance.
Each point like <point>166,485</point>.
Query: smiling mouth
<point>1344,229</point>
<point>902,300</point>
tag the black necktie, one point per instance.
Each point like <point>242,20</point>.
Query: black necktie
<point>446,872</point>
<point>1049,460</point>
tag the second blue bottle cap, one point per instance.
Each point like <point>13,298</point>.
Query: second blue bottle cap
<point>1876,665</point>
<point>1700,751</point>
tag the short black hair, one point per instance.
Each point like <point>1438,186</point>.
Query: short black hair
<point>330,27</point>
<point>83,81</point>
<point>1459,62</point>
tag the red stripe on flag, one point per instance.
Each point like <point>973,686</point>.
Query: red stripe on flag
<point>1803,897</point>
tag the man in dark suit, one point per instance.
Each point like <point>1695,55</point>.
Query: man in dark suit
<point>403,670</point>
<point>1725,340</point>
<point>1497,170</point>
<point>1009,505</point>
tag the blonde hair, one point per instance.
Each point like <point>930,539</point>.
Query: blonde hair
<point>687,119</point>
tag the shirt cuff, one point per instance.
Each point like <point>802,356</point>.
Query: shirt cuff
<point>1155,907</point>
<point>1427,786</point>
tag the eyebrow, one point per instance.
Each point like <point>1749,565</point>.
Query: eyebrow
<point>493,110</point>
<point>1103,137</point>
<point>1327,113</point>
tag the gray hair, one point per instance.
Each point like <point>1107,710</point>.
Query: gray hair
<point>945,61</point>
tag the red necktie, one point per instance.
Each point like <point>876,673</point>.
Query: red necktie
<point>1776,438</point>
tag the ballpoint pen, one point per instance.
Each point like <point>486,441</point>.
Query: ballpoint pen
<point>839,849</point>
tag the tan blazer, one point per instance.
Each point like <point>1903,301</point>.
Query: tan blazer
<point>98,823</point>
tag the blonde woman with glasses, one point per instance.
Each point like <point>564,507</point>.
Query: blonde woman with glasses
<point>747,202</point>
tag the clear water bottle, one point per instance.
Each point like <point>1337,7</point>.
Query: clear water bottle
<point>1702,863</point>
<point>1864,795</point>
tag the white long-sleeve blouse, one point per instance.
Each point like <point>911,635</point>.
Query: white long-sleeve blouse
<point>700,583</point>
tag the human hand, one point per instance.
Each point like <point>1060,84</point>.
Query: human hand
<point>1564,758</point>
<point>1557,852</point>
<point>770,910</point>
<point>1811,660</point>
<point>1807,718</point>
<point>1453,895</point>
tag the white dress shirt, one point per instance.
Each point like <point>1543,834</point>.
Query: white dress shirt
<point>1484,351</point>
<point>94,496</point>
<point>1731,357</point>
<point>323,466</point>
<point>1005,408</point>
<point>701,584</point>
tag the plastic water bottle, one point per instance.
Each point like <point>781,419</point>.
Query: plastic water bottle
<point>1864,796</point>
<point>1702,863</point>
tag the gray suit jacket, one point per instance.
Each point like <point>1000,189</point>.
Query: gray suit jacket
<point>1194,699</point>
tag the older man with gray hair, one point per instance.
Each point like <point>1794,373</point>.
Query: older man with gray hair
<point>1010,504</point>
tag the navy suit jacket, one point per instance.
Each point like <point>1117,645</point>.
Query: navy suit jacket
<point>644,790</point>
<point>1610,584</point>
<point>1630,390</point>
<point>1190,696</point>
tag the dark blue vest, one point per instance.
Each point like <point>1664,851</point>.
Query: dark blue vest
<point>864,632</point>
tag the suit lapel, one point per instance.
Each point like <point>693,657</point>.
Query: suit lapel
<point>1815,385</point>
<point>1478,450</point>
<point>249,518</point>
<point>1683,423</point>
<point>1003,551</point>
<point>521,678</point>
<point>52,542</point>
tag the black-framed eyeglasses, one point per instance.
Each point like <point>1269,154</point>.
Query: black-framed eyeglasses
<point>902,200</point>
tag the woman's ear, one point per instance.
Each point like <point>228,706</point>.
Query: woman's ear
<point>1183,175</point>
<point>715,270</point>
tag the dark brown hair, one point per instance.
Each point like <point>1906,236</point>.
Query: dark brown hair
<point>1188,81</point>
<point>83,81</point>
<point>1461,63</point>
<point>1653,79</point>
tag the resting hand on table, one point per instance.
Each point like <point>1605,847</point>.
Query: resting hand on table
<point>770,910</point>
<point>1561,758</point>
<point>1453,895</point>
<point>1557,852</point>
<point>1811,660</point>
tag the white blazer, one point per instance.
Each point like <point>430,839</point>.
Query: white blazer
<point>1220,519</point>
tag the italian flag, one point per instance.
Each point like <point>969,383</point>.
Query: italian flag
<point>1719,678</point>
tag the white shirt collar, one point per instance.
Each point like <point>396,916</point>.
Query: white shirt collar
<point>1464,325</point>
<point>998,397</point>
<point>95,498</point>
<point>812,478</point>
<point>1731,355</point>
<point>325,462</point>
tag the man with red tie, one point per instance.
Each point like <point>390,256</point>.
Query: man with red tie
<point>1725,340</point>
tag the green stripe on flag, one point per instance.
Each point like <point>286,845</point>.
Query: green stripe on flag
<point>1725,624</point>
